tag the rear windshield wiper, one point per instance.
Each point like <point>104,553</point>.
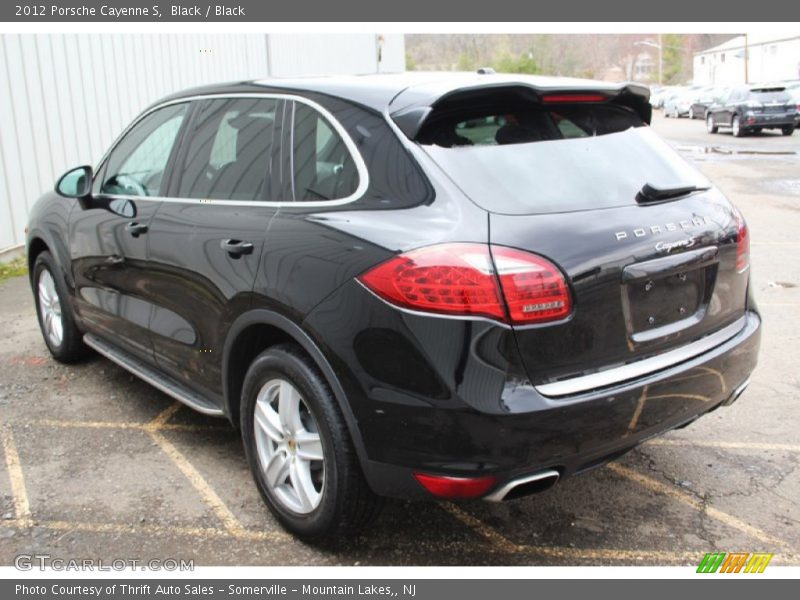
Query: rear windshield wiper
<point>661,193</point>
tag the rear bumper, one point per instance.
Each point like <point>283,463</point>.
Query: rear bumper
<point>569,436</point>
<point>770,120</point>
<point>450,396</point>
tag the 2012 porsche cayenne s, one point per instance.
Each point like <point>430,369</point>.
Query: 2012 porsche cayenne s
<point>416,286</point>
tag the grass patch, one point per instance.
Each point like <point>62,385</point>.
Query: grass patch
<point>15,268</point>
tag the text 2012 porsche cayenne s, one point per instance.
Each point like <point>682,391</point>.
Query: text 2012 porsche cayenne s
<point>416,286</point>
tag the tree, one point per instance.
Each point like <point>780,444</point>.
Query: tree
<point>525,63</point>
<point>673,57</point>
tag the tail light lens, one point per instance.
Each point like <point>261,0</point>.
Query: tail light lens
<point>534,289</point>
<point>742,244</point>
<point>456,487</point>
<point>473,280</point>
<point>570,98</point>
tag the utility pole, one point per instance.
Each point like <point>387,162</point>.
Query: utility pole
<point>660,61</point>
<point>746,60</point>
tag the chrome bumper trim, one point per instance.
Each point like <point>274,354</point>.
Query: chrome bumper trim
<point>618,375</point>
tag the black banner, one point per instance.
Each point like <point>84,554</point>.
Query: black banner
<point>376,589</point>
<point>443,11</point>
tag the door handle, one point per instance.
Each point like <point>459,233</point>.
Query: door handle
<point>135,228</point>
<point>236,248</point>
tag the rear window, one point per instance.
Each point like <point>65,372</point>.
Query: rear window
<point>779,95</point>
<point>521,125</point>
<point>539,159</point>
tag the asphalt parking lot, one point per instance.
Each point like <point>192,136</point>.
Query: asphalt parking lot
<point>99,464</point>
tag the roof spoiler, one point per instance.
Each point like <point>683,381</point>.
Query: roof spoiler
<point>411,118</point>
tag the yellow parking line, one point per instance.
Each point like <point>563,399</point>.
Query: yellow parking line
<point>22,506</point>
<point>153,529</point>
<point>726,445</point>
<point>691,501</point>
<point>660,556</point>
<point>494,537</point>
<point>149,529</point>
<point>206,492</point>
<point>208,495</point>
<point>164,416</point>
<point>55,423</point>
<point>503,544</point>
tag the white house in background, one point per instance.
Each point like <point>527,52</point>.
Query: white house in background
<point>769,58</point>
<point>65,97</point>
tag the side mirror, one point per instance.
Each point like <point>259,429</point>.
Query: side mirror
<point>76,183</point>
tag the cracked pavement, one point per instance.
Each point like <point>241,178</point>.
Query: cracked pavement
<point>98,464</point>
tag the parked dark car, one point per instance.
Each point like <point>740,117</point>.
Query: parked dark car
<point>702,100</point>
<point>751,109</point>
<point>416,286</point>
<point>794,93</point>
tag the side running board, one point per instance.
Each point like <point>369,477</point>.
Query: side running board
<point>158,380</point>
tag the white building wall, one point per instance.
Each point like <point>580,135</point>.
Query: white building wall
<point>65,98</point>
<point>768,60</point>
<point>304,54</point>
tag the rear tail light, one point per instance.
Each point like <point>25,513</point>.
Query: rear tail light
<point>497,282</point>
<point>742,244</point>
<point>456,487</point>
<point>533,288</point>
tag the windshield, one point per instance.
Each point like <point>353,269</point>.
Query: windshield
<point>578,171</point>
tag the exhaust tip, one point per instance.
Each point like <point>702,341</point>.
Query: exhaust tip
<point>737,392</point>
<point>525,486</point>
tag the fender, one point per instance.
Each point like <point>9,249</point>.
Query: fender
<point>59,251</point>
<point>49,221</point>
<point>262,316</point>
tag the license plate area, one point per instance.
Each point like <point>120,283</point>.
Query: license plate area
<point>665,300</point>
<point>667,295</point>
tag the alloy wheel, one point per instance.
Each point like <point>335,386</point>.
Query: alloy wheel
<point>289,447</point>
<point>50,308</point>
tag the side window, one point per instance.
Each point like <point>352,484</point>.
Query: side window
<point>229,154</point>
<point>322,166</point>
<point>136,165</point>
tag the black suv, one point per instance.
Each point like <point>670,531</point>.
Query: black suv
<point>747,109</point>
<point>427,286</point>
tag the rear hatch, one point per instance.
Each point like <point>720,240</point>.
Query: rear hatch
<point>654,255</point>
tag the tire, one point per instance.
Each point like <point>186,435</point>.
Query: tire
<point>787,130</point>
<point>710,127</point>
<point>736,127</point>
<point>56,320</point>
<point>317,499</point>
